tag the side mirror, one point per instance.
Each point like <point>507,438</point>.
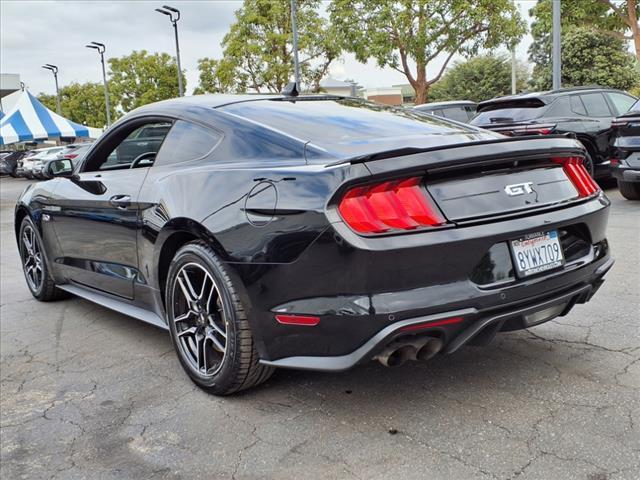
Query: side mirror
<point>60,168</point>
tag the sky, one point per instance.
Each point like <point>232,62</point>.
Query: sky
<point>33,33</point>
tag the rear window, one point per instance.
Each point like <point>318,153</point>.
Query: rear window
<point>508,115</point>
<point>340,119</point>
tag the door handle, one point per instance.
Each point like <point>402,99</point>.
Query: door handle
<point>120,201</point>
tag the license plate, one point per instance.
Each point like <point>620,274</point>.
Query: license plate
<point>537,252</point>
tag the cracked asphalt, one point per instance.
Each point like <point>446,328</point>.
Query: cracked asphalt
<point>87,393</point>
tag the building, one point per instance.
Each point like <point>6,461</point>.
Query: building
<point>9,83</point>
<point>408,93</point>
<point>387,96</point>
<point>337,87</point>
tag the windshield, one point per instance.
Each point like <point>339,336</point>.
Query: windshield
<point>507,115</point>
<point>635,107</point>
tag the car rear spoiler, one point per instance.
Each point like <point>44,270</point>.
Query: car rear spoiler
<point>495,148</point>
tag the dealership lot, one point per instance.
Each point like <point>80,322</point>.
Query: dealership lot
<point>88,393</point>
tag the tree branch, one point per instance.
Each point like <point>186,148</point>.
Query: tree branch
<point>618,11</point>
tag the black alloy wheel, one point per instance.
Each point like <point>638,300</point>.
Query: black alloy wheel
<point>208,324</point>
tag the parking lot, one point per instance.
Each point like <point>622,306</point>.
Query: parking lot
<point>89,393</point>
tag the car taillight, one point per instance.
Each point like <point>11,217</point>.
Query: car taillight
<point>574,169</point>
<point>535,129</point>
<point>389,206</point>
<point>70,156</point>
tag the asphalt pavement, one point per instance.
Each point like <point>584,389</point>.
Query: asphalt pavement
<point>86,393</point>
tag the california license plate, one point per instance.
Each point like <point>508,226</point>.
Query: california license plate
<point>537,252</point>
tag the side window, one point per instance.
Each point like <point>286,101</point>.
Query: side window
<point>577,106</point>
<point>595,104</point>
<point>137,149</point>
<point>559,108</point>
<point>471,112</point>
<point>187,141</point>
<point>456,113</point>
<point>621,102</point>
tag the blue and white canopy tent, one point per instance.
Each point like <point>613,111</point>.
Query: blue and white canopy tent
<point>29,120</point>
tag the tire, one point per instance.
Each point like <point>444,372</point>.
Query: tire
<point>197,314</point>
<point>41,285</point>
<point>629,190</point>
<point>588,164</point>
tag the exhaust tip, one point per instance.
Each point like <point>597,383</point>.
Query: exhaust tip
<point>397,357</point>
<point>429,350</point>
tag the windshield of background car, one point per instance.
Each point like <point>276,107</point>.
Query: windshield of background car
<point>507,115</point>
<point>635,107</point>
<point>340,119</point>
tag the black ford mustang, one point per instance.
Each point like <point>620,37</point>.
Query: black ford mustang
<point>316,232</point>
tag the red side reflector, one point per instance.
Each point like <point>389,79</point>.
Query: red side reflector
<point>435,323</point>
<point>574,169</point>
<point>391,205</point>
<point>306,320</point>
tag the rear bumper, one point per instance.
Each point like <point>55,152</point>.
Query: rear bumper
<point>623,171</point>
<point>482,325</point>
<point>360,287</point>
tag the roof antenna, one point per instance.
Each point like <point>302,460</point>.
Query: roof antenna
<point>291,90</point>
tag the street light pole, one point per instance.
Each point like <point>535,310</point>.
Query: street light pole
<point>174,16</point>
<point>54,70</point>
<point>101,49</point>
<point>556,60</point>
<point>294,28</point>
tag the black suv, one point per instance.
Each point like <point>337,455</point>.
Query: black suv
<point>585,112</point>
<point>625,152</point>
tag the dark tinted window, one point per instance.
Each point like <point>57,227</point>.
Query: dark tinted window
<point>506,115</point>
<point>559,108</point>
<point>621,102</point>
<point>576,105</point>
<point>186,141</point>
<point>595,104</point>
<point>456,113</point>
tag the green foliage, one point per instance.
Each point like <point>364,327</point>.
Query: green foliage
<point>258,49</point>
<point>479,78</point>
<point>141,78</point>
<point>82,103</point>
<point>397,33</point>
<point>590,58</point>
<point>597,15</point>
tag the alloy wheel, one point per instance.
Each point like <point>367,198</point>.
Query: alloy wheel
<point>32,258</point>
<point>200,321</point>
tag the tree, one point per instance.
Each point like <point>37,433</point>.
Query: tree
<point>82,102</point>
<point>142,78</point>
<point>590,58</point>
<point>258,49</point>
<point>479,78</point>
<point>614,18</point>
<point>399,33</point>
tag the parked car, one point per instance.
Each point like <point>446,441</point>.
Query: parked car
<point>584,112</point>
<point>625,152</point>
<point>31,166</point>
<point>459,110</point>
<point>316,232</point>
<point>74,152</point>
<point>9,162</point>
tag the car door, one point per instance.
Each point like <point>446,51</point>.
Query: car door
<point>597,108</point>
<point>95,214</point>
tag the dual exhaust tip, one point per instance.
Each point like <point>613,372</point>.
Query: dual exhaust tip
<point>400,352</point>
